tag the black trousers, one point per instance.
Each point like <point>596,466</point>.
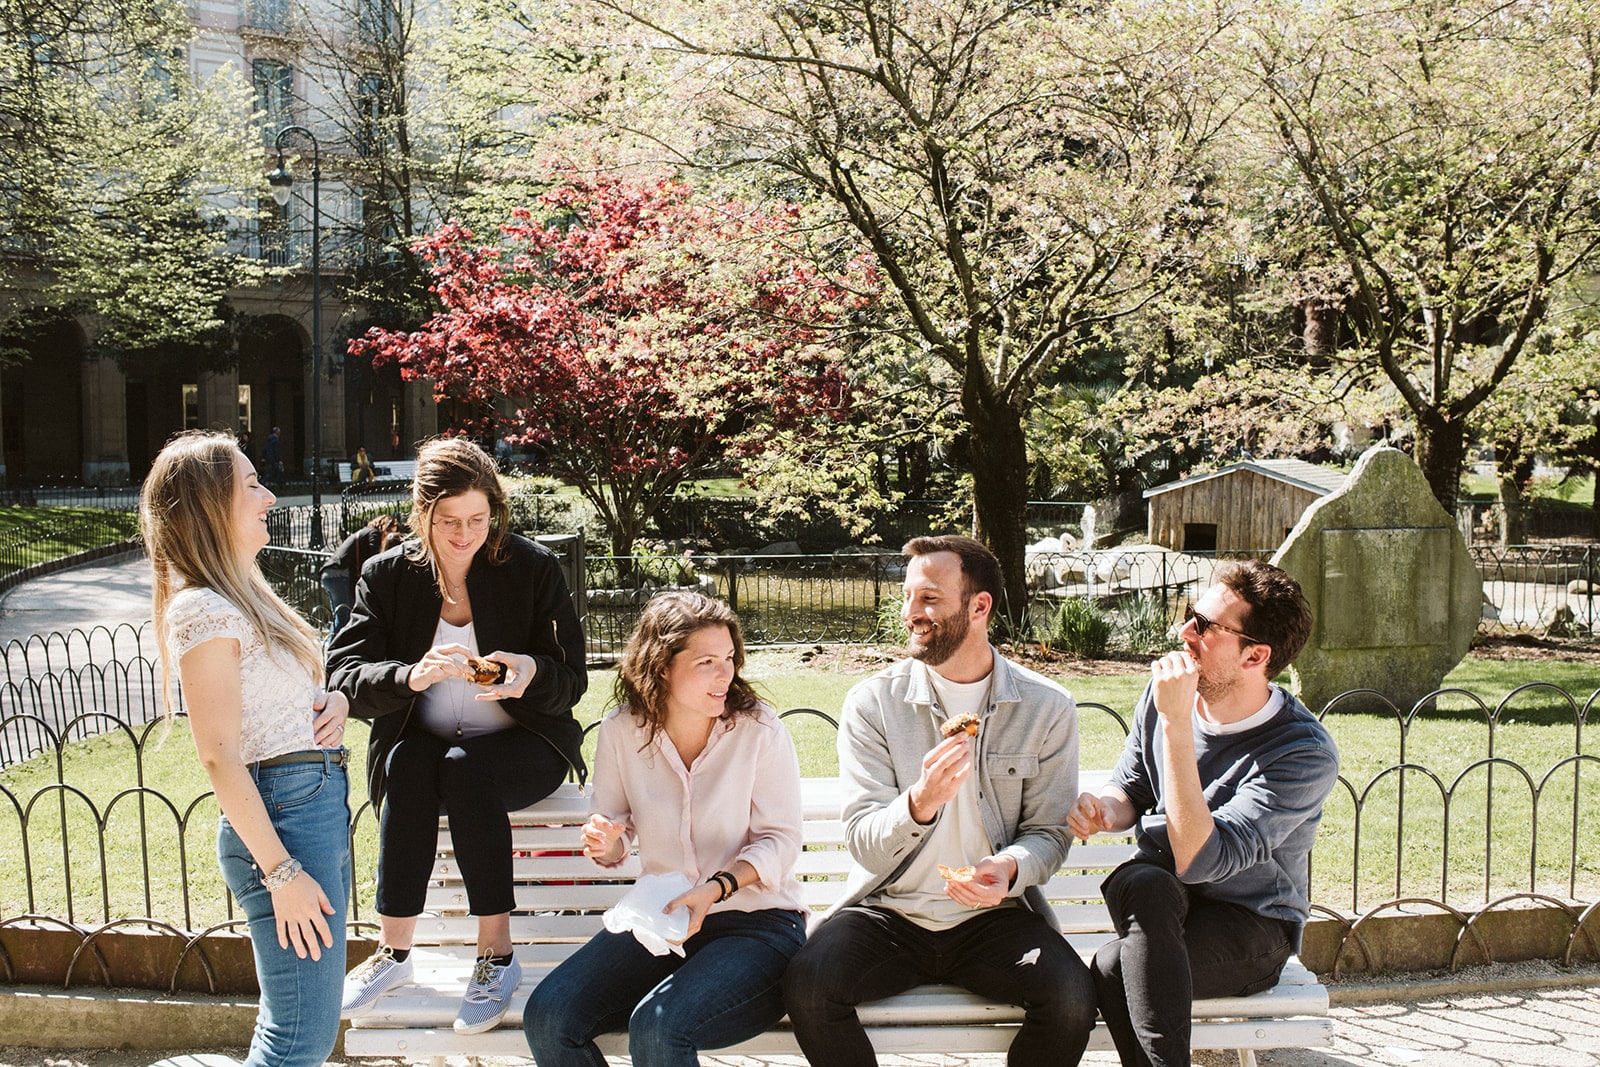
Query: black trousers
<point>1173,947</point>
<point>1011,955</point>
<point>475,781</point>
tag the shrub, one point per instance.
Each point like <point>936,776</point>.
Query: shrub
<point>1077,626</point>
<point>1146,625</point>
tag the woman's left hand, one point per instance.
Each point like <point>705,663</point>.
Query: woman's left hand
<point>520,670</point>
<point>698,900</point>
<point>332,711</point>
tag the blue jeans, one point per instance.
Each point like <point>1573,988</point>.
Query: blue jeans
<point>723,990</point>
<point>340,587</point>
<point>298,1020</point>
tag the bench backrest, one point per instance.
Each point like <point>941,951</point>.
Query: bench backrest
<point>561,894</point>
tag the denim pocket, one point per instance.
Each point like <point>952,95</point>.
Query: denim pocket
<point>286,791</point>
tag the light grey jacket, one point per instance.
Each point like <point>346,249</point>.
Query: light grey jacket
<point>1026,764</point>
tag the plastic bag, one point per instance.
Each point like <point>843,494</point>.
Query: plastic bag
<point>639,912</point>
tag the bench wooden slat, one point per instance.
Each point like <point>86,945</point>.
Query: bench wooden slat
<point>506,1042</point>
<point>432,1002</point>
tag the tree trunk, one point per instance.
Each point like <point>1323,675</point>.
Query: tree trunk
<point>1000,498</point>
<point>1441,451</point>
<point>1513,470</point>
<point>1594,467</point>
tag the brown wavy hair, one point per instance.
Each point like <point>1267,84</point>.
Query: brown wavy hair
<point>447,467</point>
<point>669,620</point>
<point>186,517</point>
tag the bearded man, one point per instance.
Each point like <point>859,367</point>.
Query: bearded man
<point>951,836</point>
<point>1222,780</point>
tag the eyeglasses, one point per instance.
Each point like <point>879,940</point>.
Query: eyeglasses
<point>477,524</point>
<point>1202,624</point>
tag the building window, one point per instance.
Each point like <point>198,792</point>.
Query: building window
<point>272,233</point>
<point>246,417</point>
<point>1199,537</point>
<point>191,407</point>
<point>274,85</point>
<point>377,21</point>
<point>371,108</point>
<point>272,15</point>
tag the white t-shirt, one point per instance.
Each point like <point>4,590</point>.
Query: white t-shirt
<point>450,708</point>
<point>958,838</point>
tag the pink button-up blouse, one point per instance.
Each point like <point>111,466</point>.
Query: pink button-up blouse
<point>739,800</point>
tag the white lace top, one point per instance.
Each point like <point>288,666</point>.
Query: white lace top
<point>278,690</point>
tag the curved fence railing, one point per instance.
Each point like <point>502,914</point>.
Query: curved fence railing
<point>1455,800</point>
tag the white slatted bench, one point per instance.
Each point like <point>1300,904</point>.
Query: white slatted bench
<point>388,470</point>
<point>561,895</point>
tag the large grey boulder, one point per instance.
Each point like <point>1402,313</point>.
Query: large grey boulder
<point>1395,594</point>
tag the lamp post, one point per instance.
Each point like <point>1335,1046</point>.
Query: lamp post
<point>281,181</point>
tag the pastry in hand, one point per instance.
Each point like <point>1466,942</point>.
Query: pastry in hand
<point>485,671</point>
<point>965,723</point>
<point>957,874</point>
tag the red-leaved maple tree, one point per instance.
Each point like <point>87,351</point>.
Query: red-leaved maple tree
<point>643,331</point>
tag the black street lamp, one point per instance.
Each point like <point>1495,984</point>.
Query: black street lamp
<point>281,181</point>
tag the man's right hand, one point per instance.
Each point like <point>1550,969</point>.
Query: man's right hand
<point>944,768</point>
<point>1089,816</point>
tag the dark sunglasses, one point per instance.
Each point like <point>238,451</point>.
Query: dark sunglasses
<point>1202,624</point>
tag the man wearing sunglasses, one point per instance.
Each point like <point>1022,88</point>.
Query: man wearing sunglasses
<point>1222,782</point>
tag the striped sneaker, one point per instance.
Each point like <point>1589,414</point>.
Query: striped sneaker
<point>380,973</point>
<point>488,995</point>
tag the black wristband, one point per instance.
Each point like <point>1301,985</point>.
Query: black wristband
<point>729,884</point>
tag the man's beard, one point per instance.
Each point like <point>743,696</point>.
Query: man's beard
<point>944,639</point>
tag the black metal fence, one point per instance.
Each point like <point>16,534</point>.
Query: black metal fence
<point>1458,802</point>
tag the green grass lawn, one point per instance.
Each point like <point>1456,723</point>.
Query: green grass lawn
<point>103,813</point>
<point>30,535</point>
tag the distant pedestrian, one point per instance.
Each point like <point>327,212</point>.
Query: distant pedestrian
<point>270,740</point>
<point>272,459</point>
<point>361,470</point>
<point>339,574</point>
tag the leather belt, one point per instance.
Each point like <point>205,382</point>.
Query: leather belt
<point>339,757</point>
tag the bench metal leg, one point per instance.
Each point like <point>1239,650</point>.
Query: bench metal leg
<point>1247,1057</point>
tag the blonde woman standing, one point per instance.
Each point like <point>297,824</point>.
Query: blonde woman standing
<point>270,740</point>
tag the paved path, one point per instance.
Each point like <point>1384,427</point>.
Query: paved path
<point>1551,1026</point>
<point>106,593</point>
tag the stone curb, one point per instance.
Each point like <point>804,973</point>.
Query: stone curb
<point>46,1017</point>
<point>1453,986</point>
<point>50,1018</point>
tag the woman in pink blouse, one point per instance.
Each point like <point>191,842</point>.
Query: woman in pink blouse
<point>700,776</point>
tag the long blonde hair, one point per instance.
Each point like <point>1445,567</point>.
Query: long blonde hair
<point>187,518</point>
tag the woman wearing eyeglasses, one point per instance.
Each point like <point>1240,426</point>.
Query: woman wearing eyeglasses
<point>450,732</point>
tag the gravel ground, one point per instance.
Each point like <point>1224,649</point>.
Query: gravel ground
<point>1528,1015</point>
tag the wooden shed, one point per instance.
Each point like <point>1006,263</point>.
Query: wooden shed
<point>1244,506</point>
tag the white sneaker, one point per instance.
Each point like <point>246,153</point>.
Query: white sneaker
<point>372,979</point>
<point>488,996</point>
